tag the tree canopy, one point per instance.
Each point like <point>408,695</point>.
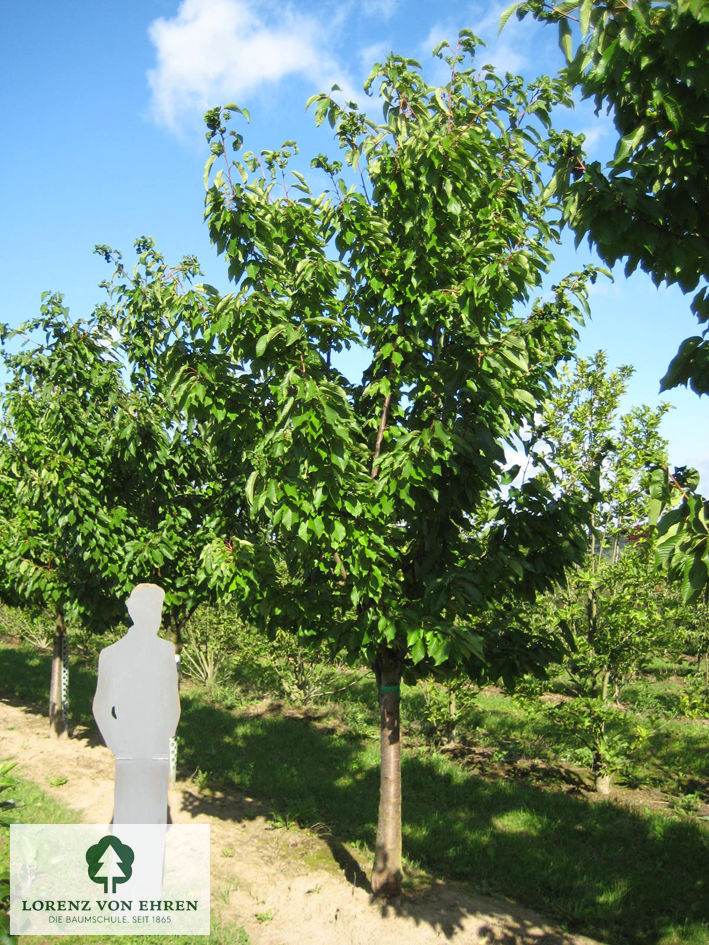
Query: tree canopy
<point>647,63</point>
<point>609,605</point>
<point>383,518</point>
<point>60,536</point>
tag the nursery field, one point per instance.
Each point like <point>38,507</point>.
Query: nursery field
<point>497,797</point>
<point>437,585</point>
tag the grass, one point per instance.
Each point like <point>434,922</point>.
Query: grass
<point>622,875</point>
<point>614,873</point>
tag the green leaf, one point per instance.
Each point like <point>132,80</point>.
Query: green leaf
<point>585,15</point>
<point>207,168</point>
<point>695,578</point>
<point>418,652</point>
<point>338,532</point>
<point>251,481</point>
<point>565,39</point>
<point>507,14</point>
<point>265,340</point>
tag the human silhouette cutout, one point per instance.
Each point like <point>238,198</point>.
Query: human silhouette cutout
<point>137,708</point>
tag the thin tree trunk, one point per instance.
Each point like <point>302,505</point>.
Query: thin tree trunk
<point>175,636</point>
<point>452,712</point>
<point>604,687</point>
<point>601,775</point>
<point>616,550</point>
<point>592,615</point>
<point>387,872</point>
<point>57,703</point>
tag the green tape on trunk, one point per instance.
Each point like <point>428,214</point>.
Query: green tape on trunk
<point>390,688</point>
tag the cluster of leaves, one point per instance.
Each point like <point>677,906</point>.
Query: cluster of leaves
<point>610,607</point>
<point>184,484</point>
<point>610,603</point>
<point>60,537</point>
<point>646,61</point>
<point>694,699</point>
<point>614,613</point>
<point>683,531</point>
<point>383,496</point>
<point>607,456</point>
<point>111,483</point>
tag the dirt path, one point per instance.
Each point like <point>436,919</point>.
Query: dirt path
<point>285,887</point>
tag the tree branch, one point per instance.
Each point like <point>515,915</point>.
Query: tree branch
<point>380,436</point>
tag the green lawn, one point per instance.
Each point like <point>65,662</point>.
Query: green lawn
<point>621,875</point>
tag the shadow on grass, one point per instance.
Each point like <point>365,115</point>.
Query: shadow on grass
<point>601,869</point>
<point>24,682</point>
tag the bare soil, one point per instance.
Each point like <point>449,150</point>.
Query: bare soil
<point>284,886</point>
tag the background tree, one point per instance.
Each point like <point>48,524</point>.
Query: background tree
<point>382,500</point>
<point>610,603</point>
<point>60,539</point>
<point>647,63</point>
<point>178,496</point>
<point>112,486</point>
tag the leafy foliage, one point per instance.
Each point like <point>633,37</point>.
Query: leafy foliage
<point>61,538</point>
<point>611,605</point>
<point>384,495</point>
<point>188,475</point>
<point>646,61</point>
<point>389,531</point>
<point>683,531</point>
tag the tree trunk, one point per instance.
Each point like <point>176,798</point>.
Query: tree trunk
<point>452,713</point>
<point>604,688</point>
<point>387,872</point>
<point>57,691</point>
<point>592,615</point>
<point>601,775</point>
<point>174,634</point>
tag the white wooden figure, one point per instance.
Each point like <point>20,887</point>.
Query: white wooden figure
<point>137,708</point>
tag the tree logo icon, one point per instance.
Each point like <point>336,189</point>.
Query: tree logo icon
<point>110,862</point>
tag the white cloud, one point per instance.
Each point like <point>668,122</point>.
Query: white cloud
<point>220,50</point>
<point>507,50</point>
<point>592,135</point>
<point>504,57</point>
<point>384,9</point>
<point>447,30</point>
<point>599,131</point>
<point>377,52</point>
<point>487,18</point>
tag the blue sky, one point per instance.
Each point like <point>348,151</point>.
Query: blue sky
<point>101,109</point>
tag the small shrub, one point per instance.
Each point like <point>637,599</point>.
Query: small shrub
<point>439,714</point>
<point>209,644</point>
<point>694,698</point>
<point>652,700</point>
<point>307,673</point>
<point>35,629</point>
